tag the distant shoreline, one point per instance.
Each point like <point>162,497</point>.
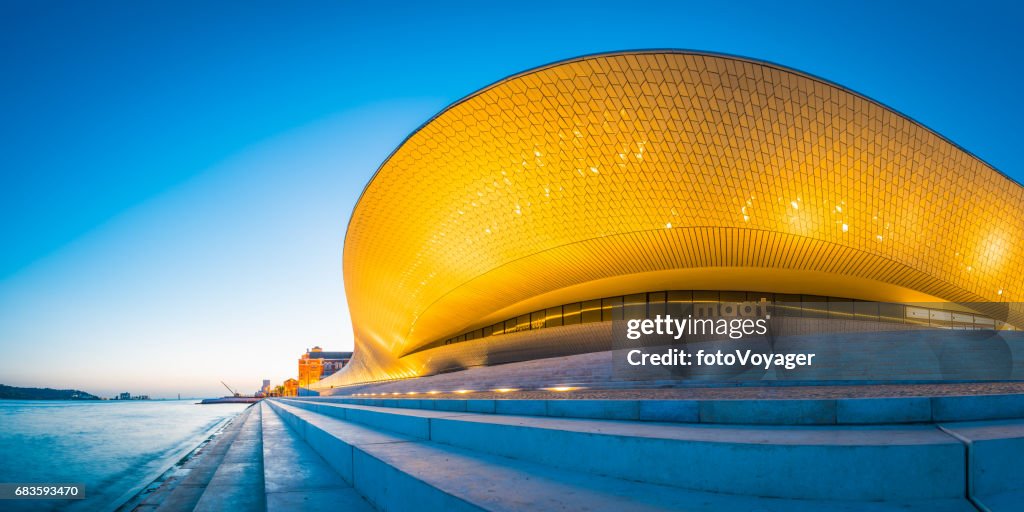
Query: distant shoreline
<point>182,399</point>
<point>16,393</point>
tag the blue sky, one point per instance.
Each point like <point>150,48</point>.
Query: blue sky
<point>177,176</point>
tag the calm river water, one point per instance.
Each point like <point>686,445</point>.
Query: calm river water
<point>114,448</point>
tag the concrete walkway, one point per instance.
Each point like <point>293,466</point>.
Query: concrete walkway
<point>255,464</point>
<point>296,477</point>
<point>238,482</point>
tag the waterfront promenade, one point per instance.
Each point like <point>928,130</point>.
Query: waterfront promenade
<point>946,452</point>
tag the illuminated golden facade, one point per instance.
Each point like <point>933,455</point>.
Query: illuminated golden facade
<point>622,173</point>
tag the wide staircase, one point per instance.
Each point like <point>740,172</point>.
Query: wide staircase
<point>405,454</point>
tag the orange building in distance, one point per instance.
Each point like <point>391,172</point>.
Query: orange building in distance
<point>316,364</point>
<point>291,387</point>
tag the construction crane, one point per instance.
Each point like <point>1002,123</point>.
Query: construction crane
<point>233,392</point>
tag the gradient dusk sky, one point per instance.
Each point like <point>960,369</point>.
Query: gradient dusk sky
<point>177,175</point>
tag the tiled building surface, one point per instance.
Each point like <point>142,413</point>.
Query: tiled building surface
<point>633,172</point>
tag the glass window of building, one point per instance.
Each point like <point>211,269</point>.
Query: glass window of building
<point>814,306</point>
<point>571,313</point>
<point>611,309</point>
<point>634,306</point>
<point>553,317</point>
<point>591,311</point>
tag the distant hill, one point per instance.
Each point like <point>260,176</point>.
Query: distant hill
<point>13,393</point>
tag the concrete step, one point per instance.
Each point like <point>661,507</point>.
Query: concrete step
<point>995,458</point>
<point>824,463</point>
<point>296,477</point>
<point>237,484</point>
<point>416,461</point>
<point>811,411</point>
